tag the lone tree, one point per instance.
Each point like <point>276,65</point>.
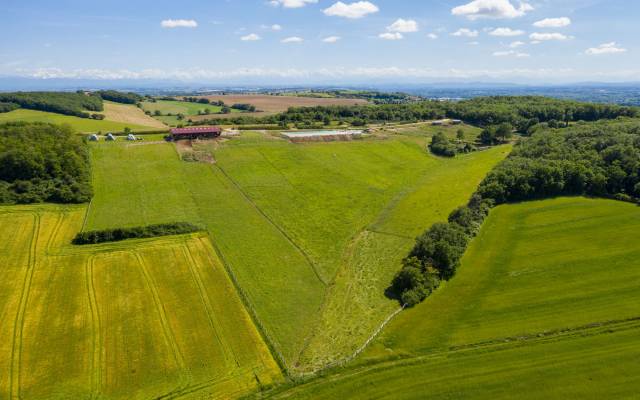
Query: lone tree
<point>460,134</point>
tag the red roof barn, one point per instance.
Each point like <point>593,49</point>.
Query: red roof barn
<point>195,132</point>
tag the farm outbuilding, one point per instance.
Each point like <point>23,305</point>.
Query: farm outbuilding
<point>195,132</point>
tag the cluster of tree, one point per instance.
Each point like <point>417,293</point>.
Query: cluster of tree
<point>597,159</point>
<point>494,134</point>
<point>200,100</point>
<point>120,97</point>
<point>139,232</point>
<point>437,253</point>
<point>42,162</point>
<point>244,107</point>
<point>522,113</point>
<point>76,104</point>
<point>6,107</point>
<point>442,146</point>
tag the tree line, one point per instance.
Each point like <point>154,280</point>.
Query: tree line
<point>6,107</point>
<point>75,104</point>
<point>597,159</point>
<point>43,163</point>
<point>520,112</point>
<point>138,232</point>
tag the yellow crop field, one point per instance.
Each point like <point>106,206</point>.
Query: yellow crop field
<point>155,318</point>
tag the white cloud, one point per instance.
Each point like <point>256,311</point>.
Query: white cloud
<point>252,37</point>
<point>292,39</point>
<point>553,23</point>
<point>474,43</point>
<point>179,23</point>
<point>496,9</point>
<point>352,11</point>
<point>331,39</point>
<point>464,32</point>
<point>432,36</point>
<point>513,53</point>
<point>292,3</point>
<point>606,48</point>
<point>276,27</point>
<point>403,26</point>
<point>506,32</point>
<point>516,44</point>
<point>391,36</point>
<point>543,37</point>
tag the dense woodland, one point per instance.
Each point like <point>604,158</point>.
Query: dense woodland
<point>119,97</point>
<point>42,162</point>
<point>76,104</point>
<point>595,159</point>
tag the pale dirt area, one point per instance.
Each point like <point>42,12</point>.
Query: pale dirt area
<point>130,114</point>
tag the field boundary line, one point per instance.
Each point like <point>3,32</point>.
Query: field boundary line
<point>592,329</point>
<point>360,349</point>
<point>18,325</point>
<point>245,299</point>
<point>86,216</point>
<point>168,333</point>
<point>282,231</point>
<point>206,302</point>
<point>96,327</point>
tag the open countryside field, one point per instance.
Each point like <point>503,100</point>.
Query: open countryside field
<point>137,320</point>
<point>84,125</point>
<point>179,107</point>
<point>548,292</point>
<point>129,114</point>
<point>268,104</point>
<point>313,215</point>
<point>535,267</point>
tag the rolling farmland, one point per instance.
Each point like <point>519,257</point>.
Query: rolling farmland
<point>129,114</point>
<point>136,320</point>
<point>84,125</point>
<point>548,292</point>
<point>346,196</point>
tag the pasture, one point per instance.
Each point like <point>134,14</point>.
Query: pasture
<point>547,292</point>
<point>84,125</point>
<point>301,227</point>
<point>142,319</point>
<point>179,107</point>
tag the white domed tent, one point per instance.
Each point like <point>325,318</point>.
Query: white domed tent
<point>93,138</point>
<point>110,137</point>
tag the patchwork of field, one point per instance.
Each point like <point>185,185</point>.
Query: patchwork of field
<point>268,104</point>
<point>545,305</point>
<point>311,233</point>
<point>129,114</point>
<point>144,319</point>
<point>179,107</point>
<point>85,125</point>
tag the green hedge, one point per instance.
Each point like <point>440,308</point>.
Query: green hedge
<point>139,232</point>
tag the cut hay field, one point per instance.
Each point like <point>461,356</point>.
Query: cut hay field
<point>471,132</point>
<point>129,114</point>
<point>303,228</point>
<point>154,318</point>
<point>545,305</point>
<point>84,125</point>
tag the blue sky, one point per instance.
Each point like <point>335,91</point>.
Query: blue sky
<point>216,41</point>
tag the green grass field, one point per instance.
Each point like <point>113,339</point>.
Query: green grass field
<point>84,125</point>
<point>306,219</point>
<point>135,320</point>
<point>545,305</point>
